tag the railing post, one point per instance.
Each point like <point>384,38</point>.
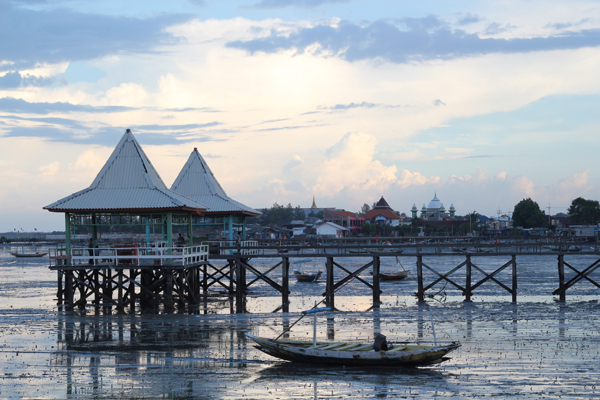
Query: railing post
<point>468,279</point>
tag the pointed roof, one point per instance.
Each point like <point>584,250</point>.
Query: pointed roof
<point>382,205</point>
<point>197,182</point>
<point>314,205</point>
<point>128,181</point>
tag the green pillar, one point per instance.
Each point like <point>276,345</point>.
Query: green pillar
<point>148,231</point>
<point>190,231</point>
<point>170,234</point>
<point>244,228</point>
<point>230,227</point>
<point>95,229</point>
<point>68,236</point>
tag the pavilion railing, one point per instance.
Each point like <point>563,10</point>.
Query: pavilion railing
<point>131,255</point>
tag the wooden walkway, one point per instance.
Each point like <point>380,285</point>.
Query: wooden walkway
<point>234,270</point>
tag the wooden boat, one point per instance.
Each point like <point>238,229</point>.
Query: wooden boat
<point>28,255</point>
<point>394,276</point>
<point>354,354</point>
<point>378,353</point>
<point>459,249</point>
<point>304,277</point>
<point>565,248</point>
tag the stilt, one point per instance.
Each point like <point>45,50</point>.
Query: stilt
<point>329,286</point>
<point>514,278</point>
<point>169,289</point>
<point>468,279</point>
<point>561,278</point>
<point>285,284</point>
<point>376,291</point>
<point>69,290</point>
<point>420,291</point>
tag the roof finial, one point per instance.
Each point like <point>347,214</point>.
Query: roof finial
<point>128,130</point>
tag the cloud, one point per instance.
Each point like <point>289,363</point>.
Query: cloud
<point>468,19</point>
<point>10,104</point>
<point>364,104</point>
<point>13,80</point>
<point>50,169</point>
<point>458,150</point>
<point>438,102</point>
<point>271,4</point>
<point>52,36</point>
<point>425,39</point>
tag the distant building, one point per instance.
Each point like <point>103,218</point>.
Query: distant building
<point>314,210</point>
<point>345,219</point>
<point>383,214</point>
<point>331,230</point>
<point>435,210</point>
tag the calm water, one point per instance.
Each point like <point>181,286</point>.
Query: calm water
<point>537,348</point>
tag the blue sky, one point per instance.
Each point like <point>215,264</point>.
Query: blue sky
<point>486,103</point>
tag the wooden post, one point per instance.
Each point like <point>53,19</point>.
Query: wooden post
<point>144,283</point>
<point>97,297</point>
<point>168,289</point>
<point>285,284</point>
<point>68,239</point>
<point>329,290</point>
<point>170,237</point>
<point>120,291</point>
<point>107,283</point>
<point>376,291</point>
<point>420,292</point>
<point>514,278</point>
<point>204,279</point>
<point>59,293</point>
<point>561,277</point>
<point>69,290</point>
<point>239,285</point>
<point>131,290</point>
<point>468,279</point>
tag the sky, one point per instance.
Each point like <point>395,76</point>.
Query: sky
<point>482,103</point>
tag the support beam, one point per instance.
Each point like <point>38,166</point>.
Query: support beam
<point>420,291</point>
<point>561,277</point>
<point>468,279</point>
<point>285,282</point>
<point>376,291</point>
<point>329,285</point>
<point>514,278</point>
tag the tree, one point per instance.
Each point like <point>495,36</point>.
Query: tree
<point>584,211</point>
<point>527,214</point>
<point>299,214</point>
<point>365,209</point>
<point>473,219</point>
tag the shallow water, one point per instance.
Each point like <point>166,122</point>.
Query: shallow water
<point>537,348</point>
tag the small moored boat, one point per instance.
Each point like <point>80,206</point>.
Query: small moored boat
<point>378,353</point>
<point>304,277</point>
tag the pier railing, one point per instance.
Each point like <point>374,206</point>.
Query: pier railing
<point>128,255</point>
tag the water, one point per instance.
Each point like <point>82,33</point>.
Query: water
<point>537,348</point>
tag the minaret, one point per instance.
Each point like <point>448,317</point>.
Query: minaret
<point>414,211</point>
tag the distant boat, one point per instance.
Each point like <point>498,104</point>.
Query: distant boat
<point>23,254</point>
<point>565,249</point>
<point>28,255</point>
<point>459,249</point>
<point>304,277</point>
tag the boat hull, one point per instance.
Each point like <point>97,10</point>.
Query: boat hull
<point>303,352</point>
<point>25,255</point>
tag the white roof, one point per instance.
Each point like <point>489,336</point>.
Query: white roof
<point>434,203</point>
<point>197,182</point>
<point>128,181</point>
<point>336,226</point>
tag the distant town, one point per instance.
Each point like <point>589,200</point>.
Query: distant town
<point>381,220</point>
<point>433,219</point>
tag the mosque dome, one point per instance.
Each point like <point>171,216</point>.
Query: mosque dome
<point>435,203</point>
<point>452,207</point>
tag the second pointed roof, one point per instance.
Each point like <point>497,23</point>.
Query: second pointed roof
<point>197,182</point>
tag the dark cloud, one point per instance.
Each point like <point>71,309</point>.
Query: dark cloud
<point>68,131</point>
<point>468,19</point>
<point>13,80</point>
<point>186,127</point>
<point>566,25</point>
<point>364,104</point>
<point>30,37</point>
<point>198,3</point>
<point>9,104</point>
<point>270,4</point>
<point>383,40</point>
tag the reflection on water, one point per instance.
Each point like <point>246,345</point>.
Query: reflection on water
<point>537,347</point>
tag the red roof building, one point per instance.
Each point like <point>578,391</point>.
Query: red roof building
<point>382,214</point>
<point>345,219</point>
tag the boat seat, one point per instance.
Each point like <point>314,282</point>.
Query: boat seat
<point>365,347</point>
<point>331,346</point>
<point>351,346</point>
<point>399,348</point>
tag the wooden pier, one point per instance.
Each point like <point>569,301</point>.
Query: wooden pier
<point>187,276</point>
